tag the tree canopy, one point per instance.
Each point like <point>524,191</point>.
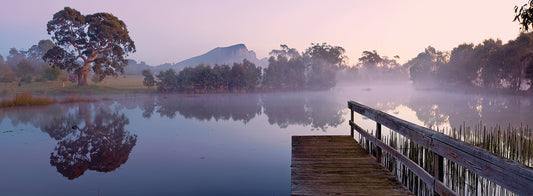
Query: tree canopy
<point>240,77</point>
<point>100,41</point>
<point>424,66</point>
<point>325,60</point>
<point>287,69</point>
<point>489,64</point>
<point>524,15</point>
<point>370,60</point>
<point>316,68</point>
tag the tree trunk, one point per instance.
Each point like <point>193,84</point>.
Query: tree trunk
<point>82,75</point>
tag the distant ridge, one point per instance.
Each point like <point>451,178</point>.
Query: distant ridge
<point>223,55</point>
<point>219,55</point>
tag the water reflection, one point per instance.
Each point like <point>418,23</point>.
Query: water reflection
<point>204,107</point>
<point>436,108</point>
<point>315,109</point>
<point>92,136</point>
<point>282,109</point>
<point>89,138</point>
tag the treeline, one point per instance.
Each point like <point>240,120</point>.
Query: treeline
<point>374,67</point>
<point>489,65</point>
<point>288,69</point>
<point>243,76</point>
<point>26,66</point>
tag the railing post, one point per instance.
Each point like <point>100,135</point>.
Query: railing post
<point>351,120</point>
<point>438,169</point>
<point>378,136</point>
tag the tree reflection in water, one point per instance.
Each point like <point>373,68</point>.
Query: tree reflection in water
<point>241,107</point>
<point>283,109</point>
<point>317,110</point>
<point>490,109</point>
<point>86,141</point>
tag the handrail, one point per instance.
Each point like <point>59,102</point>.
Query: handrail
<point>509,174</point>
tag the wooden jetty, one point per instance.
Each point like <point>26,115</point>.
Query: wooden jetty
<point>337,165</point>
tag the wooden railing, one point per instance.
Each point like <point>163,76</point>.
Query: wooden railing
<point>509,174</point>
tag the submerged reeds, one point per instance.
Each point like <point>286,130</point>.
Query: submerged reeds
<point>514,143</point>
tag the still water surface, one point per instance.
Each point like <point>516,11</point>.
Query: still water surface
<point>219,144</point>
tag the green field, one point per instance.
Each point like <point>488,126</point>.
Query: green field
<point>110,85</point>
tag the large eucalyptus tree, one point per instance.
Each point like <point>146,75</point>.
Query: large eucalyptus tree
<point>97,42</point>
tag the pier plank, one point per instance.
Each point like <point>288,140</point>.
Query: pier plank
<point>337,165</point>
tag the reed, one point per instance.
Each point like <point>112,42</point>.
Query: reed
<point>514,143</point>
<point>25,99</point>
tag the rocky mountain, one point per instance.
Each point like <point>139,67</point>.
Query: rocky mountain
<point>223,55</point>
<point>220,55</point>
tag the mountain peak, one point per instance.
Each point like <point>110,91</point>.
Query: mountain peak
<point>238,46</point>
<point>222,55</point>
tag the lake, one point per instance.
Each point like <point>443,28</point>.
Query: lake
<point>213,144</point>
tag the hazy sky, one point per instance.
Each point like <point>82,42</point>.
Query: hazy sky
<point>171,31</point>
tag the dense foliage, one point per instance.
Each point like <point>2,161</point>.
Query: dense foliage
<point>490,64</point>
<point>316,68</point>
<point>28,65</point>
<point>100,41</point>
<point>240,77</point>
<point>372,67</point>
<point>524,15</point>
<point>287,69</point>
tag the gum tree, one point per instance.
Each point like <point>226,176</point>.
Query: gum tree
<point>97,42</point>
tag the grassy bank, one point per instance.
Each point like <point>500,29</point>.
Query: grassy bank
<point>111,85</point>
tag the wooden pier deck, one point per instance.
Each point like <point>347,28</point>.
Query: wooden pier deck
<point>337,165</point>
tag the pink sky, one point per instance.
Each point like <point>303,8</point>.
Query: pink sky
<point>171,31</point>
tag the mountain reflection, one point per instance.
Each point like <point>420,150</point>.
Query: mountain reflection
<point>89,138</point>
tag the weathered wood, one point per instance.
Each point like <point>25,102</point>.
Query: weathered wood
<point>438,166</point>
<point>351,119</point>
<point>326,165</point>
<point>509,174</point>
<point>378,136</point>
<point>438,186</point>
<point>438,172</point>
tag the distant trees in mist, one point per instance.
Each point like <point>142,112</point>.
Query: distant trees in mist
<point>28,65</point>
<point>489,64</point>
<point>288,69</point>
<point>373,67</point>
<point>243,76</point>
<point>316,68</point>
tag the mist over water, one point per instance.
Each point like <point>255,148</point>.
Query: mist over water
<point>210,144</point>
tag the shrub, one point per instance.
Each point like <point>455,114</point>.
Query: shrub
<point>51,73</point>
<point>28,79</point>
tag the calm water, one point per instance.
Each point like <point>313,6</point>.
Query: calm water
<point>223,144</point>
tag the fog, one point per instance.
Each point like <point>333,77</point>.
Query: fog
<point>178,132</point>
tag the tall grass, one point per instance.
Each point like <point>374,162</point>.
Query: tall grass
<point>514,143</point>
<point>25,99</point>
